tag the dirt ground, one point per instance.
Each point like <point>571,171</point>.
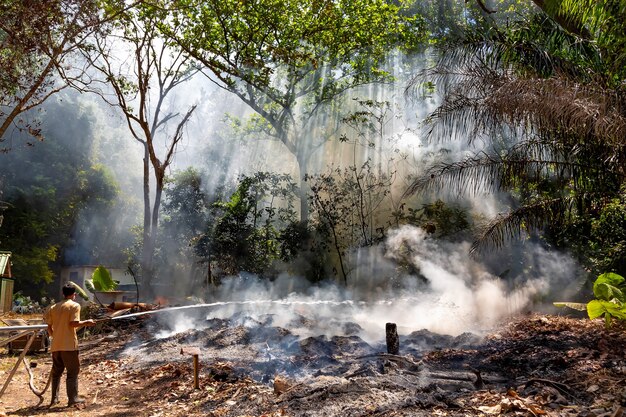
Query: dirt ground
<point>533,365</point>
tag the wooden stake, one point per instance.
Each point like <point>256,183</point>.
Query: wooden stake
<point>195,353</point>
<point>196,379</point>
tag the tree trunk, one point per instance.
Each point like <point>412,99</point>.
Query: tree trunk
<point>147,249</point>
<point>304,188</point>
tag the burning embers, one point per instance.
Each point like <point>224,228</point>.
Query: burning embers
<point>255,347</point>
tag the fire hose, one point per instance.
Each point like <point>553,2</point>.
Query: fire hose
<point>25,330</point>
<point>31,378</point>
<point>31,381</point>
<point>34,331</point>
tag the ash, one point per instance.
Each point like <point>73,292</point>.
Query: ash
<point>294,363</point>
<point>251,366</point>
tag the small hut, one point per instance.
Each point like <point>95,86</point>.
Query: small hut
<point>6,287</point>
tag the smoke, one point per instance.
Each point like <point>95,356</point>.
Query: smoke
<point>463,294</point>
<point>411,280</point>
<point>447,293</point>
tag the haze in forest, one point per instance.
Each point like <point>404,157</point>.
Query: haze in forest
<point>399,251</point>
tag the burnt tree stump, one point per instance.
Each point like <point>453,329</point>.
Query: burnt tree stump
<point>393,342</point>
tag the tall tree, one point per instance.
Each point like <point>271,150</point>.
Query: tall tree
<point>287,60</point>
<point>38,40</point>
<point>141,83</point>
<point>354,206</point>
<point>249,232</point>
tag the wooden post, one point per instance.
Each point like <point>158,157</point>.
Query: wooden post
<point>196,379</point>
<point>195,354</point>
<point>393,342</point>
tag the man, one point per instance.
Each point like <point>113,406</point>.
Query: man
<point>63,319</point>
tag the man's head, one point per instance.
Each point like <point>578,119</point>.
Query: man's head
<point>68,290</point>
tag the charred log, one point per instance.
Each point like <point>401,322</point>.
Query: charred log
<point>393,341</point>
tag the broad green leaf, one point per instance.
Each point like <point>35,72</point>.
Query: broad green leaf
<point>614,308</point>
<point>102,280</point>
<point>595,309</point>
<point>607,286</point>
<point>611,278</point>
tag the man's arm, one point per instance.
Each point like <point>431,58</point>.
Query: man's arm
<point>81,323</point>
<point>75,320</point>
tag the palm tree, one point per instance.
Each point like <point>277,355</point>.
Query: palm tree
<point>545,96</point>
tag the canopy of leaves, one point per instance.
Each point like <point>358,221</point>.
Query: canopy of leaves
<point>185,204</point>
<point>246,232</point>
<point>250,40</point>
<point>274,54</point>
<point>448,20</point>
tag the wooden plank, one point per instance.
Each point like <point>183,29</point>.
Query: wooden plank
<point>21,358</point>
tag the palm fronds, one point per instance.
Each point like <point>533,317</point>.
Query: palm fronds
<point>525,218</point>
<point>543,100</point>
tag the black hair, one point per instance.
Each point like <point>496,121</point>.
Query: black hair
<point>68,289</point>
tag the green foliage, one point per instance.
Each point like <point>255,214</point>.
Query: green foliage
<point>526,90</point>
<point>54,200</point>
<point>608,286</point>
<point>184,216</point>
<point>185,206</point>
<point>291,61</point>
<point>610,292</point>
<point>248,41</point>
<point>246,231</point>
<point>599,22</point>
<point>447,20</point>
<point>598,241</point>
<point>351,209</point>
<point>613,309</point>
<point>33,263</point>
<point>101,280</point>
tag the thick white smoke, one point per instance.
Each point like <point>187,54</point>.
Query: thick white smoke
<point>447,293</point>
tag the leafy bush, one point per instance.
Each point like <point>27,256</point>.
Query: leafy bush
<point>610,292</point>
<point>245,233</point>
